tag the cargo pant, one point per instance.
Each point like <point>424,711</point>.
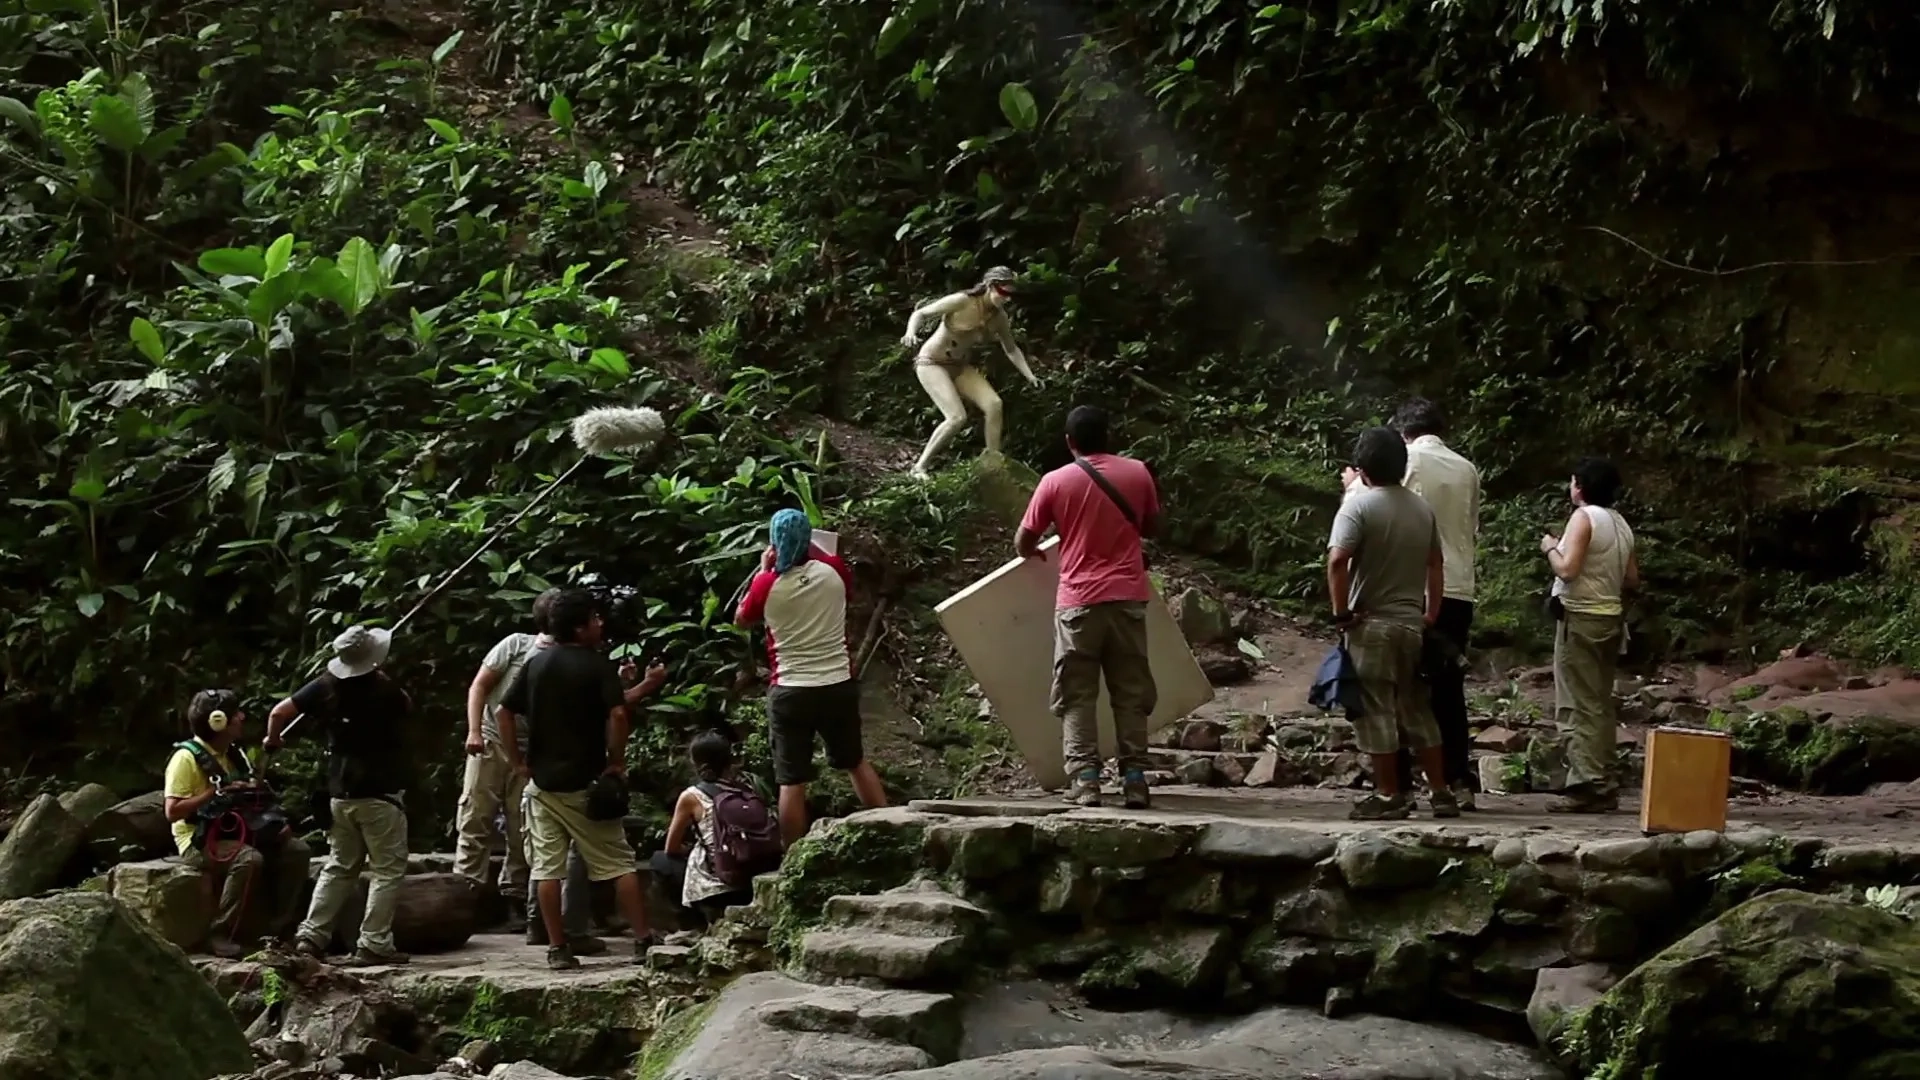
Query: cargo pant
<point>1090,641</point>
<point>371,835</point>
<point>1586,652</point>
<point>491,786</point>
<point>257,890</point>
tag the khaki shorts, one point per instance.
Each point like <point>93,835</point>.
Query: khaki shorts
<point>1395,704</point>
<point>557,821</point>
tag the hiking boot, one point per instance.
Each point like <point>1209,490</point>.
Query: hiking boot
<point>225,948</point>
<point>1444,802</point>
<point>1086,789</point>
<point>310,947</point>
<point>1134,789</point>
<point>516,921</point>
<point>1377,807</point>
<point>560,958</point>
<point>586,945</point>
<point>1463,795</point>
<point>1584,800</point>
<point>365,957</point>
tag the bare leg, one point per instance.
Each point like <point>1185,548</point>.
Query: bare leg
<point>1386,774</point>
<point>793,812</point>
<point>550,911</point>
<point>938,383</point>
<point>1433,762</point>
<point>633,904</point>
<point>974,387</point>
<point>867,785</point>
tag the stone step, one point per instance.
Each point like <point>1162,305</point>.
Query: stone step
<point>766,890</point>
<point>894,958</point>
<point>907,913</point>
<point>928,1021</point>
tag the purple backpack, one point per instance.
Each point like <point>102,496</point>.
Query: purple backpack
<point>746,835</point>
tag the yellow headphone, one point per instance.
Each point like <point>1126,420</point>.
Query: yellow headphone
<point>217,721</point>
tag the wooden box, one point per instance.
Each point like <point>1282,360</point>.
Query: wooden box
<point>1685,780</point>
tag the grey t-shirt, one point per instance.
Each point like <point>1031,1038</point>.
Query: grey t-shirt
<point>1391,533</point>
<point>505,660</point>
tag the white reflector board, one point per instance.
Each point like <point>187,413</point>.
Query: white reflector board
<point>1003,627</point>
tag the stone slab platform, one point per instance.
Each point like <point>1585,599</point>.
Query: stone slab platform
<point>1887,820</point>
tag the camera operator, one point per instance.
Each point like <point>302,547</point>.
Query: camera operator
<point>226,824</point>
<point>576,764</point>
<point>364,714</point>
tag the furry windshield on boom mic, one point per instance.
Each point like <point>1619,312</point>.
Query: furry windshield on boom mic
<point>601,431</point>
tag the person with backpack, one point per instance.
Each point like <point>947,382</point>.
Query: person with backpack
<point>1103,506</point>
<point>721,836</point>
<point>364,714</point>
<point>801,593</point>
<point>250,856</point>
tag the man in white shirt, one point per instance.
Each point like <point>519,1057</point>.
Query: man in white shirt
<point>1451,486</point>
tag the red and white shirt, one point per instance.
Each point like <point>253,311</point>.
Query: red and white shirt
<point>806,614</point>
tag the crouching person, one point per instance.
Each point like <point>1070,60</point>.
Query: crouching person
<point>576,751</point>
<point>721,836</point>
<point>364,714</point>
<point>226,826</point>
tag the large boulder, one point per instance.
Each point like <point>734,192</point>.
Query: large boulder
<point>131,830</point>
<point>1787,984</point>
<point>38,848</point>
<point>171,897</point>
<point>87,802</point>
<point>87,990</point>
<point>437,913</point>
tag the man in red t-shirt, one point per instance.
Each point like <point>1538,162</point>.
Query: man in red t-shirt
<point>1102,505</point>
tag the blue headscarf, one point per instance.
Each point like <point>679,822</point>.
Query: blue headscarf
<point>792,536</point>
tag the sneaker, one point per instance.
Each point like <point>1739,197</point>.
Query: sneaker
<point>1584,800</point>
<point>1086,789</point>
<point>1134,788</point>
<point>1377,807</point>
<point>586,945</point>
<point>225,948</point>
<point>1463,795</point>
<point>365,957</point>
<point>1445,804</point>
<point>560,958</point>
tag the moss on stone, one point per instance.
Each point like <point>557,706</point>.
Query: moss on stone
<point>1787,747</point>
<point>855,856</point>
<point>658,1055</point>
<point>1788,984</point>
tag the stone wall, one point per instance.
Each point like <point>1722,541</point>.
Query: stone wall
<point>1441,921</point>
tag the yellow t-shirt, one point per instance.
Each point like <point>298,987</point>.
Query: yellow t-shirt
<point>184,781</point>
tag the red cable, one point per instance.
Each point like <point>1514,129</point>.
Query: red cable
<point>242,835</point>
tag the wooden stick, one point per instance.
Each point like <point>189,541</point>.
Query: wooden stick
<point>872,637</point>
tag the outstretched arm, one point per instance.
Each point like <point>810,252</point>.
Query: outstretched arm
<point>933,309</point>
<point>1003,333</point>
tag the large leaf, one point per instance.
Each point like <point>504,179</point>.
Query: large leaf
<point>442,50</point>
<point>90,604</point>
<point>139,95</point>
<point>147,340</point>
<point>257,493</point>
<point>1018,106</point>
<point>271,297</point>
<point>360,265</point>
<point>562,112</point>
<point>221,476</point>
<point>595,178</point>
<point>323,279</point>
<point>234,262</point>
<point>16,111</point>
<point>279,254</point>
<point>113,121</point>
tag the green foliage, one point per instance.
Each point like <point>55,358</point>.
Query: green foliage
<point>1251,231</point>
<point>247,402</point>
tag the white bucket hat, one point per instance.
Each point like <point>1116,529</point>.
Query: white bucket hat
<point>359,650</point>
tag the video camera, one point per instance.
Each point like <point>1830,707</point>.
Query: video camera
<point>622,609</point>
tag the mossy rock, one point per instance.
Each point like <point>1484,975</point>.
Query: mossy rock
<point>664,1047</point>
<point>88,991</point>
<point>1787,984</point>
<point>1831,757</point>
<point>563,1021</point>
<point>869,852</point>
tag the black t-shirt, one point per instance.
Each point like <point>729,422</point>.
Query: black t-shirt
<point>365,719</point>
<point>563,695</point>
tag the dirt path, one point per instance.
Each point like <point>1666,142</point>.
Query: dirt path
<point>1888,820</point>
